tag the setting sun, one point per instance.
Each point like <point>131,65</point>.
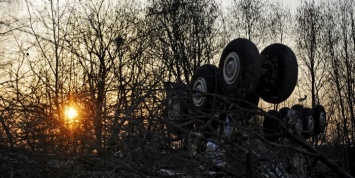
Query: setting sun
<point>71,113</point>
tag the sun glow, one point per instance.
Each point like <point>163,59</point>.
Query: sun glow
<point>71,113</point>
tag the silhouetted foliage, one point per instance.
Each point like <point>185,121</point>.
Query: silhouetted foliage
<point>125,65</point>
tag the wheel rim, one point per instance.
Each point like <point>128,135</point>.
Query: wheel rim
<point>231,68</point>
<point>310,124</point>
<point>200,87</point>
<point>322,120</point>
<point>175,109</point>
<point>298,127</point>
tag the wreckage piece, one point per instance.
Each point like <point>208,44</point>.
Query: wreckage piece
<point>239,68</point>
<point>294,122</point>
<point>308,123</point>
<point>283,111</point>
<point>204,87</point>
<point>279,72</point>
<point>297,107</point>
<point>271,127</point>
<point>177,107</point>
<point>320,119</point>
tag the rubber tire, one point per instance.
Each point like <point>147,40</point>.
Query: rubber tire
<point>207,72</point>
<point>286,77</point>
<point>308,130</point>
<point>253,99</point>
<point>297,107</point>
<point>270,126</point>
<point>283,111</point>
<point>249,69</point>
<point>298,120</point>
<point>180,115</point>
<point>319,113</point>
<point>286,118</point>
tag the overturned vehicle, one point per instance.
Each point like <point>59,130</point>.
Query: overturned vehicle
<point>216,115</point>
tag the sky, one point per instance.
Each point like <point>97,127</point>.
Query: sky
<point>5,6</point>
<point>293,4</point>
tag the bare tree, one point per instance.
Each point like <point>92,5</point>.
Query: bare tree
<point>249,19</point>
<point>309,26</point>
<point>109,60</point>
<point>335,48</point>
<point>185,34</point>
<point>346,18</point>
<point>280,23</point>
<point>101,66</point>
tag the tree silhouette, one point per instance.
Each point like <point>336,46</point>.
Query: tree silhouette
<point>125,65</point>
